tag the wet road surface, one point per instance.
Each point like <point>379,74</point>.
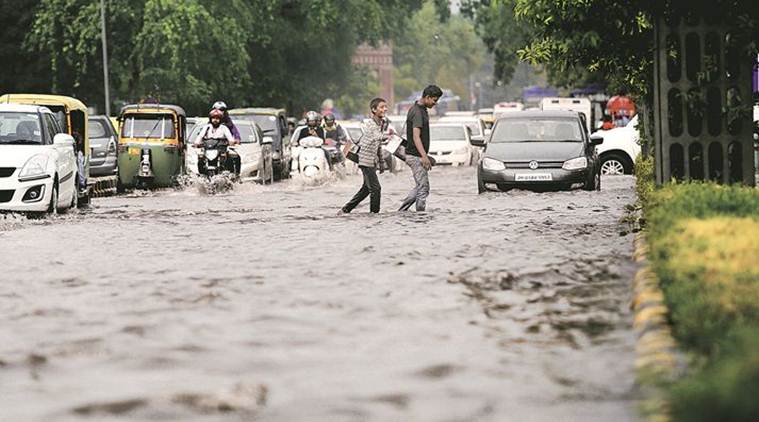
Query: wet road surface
<point>263,305</point>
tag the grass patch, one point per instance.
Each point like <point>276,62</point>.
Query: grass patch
<point>704,247</point>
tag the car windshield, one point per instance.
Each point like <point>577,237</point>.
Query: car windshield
<point>537,130</point>
<point>447,133</point>
<point>247,133</point>
<point>473,126</point>
<point>96,129</point>
<point>265,121</point>
<point>20,128</point>
<point>159,126</point>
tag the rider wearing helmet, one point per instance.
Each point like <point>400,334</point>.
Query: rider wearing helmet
<point>216,130</point>
<point>313,126</point>
<point>226,120</point>
<point>332,130</point>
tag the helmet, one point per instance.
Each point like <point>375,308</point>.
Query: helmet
<point>216,113</point>
<point>219,105</point>
<point>313,117</point>
<point>329,118</point>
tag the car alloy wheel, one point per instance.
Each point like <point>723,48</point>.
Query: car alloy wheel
<point>612,167</point>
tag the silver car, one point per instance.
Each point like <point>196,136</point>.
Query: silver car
<point>103,140</point>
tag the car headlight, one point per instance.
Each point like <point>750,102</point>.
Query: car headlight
<point>575,163</point>
<point>35,167</point>
<point>491,164</point>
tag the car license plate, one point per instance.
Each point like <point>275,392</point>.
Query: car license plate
<point>533,177</point>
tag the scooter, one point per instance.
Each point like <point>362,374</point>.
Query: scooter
<point>312,161</point>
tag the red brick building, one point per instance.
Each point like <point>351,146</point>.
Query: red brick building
<point>380,60</point>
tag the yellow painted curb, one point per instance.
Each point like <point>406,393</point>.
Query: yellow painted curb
<point>656,350</point>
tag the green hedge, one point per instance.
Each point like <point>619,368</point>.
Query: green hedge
<point>704,246</point>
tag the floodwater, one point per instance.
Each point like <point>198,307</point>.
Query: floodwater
<point>262,304</point>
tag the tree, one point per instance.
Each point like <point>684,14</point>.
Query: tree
<point>248,52</point>
<point>446,53</point>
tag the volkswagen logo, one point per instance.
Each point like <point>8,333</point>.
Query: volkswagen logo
<point>533,165</point>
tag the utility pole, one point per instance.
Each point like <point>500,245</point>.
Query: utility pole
<point>105,59</point>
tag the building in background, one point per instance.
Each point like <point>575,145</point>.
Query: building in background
<point>379,60</point>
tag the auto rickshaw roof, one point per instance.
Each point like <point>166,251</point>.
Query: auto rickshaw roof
<point>258,110</point>
<point>153,108</point>
<point>45,100</point>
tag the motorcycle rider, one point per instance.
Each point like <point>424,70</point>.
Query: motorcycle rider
<point>215,130</point>
<point>332,130</point>
<point>227,121</point>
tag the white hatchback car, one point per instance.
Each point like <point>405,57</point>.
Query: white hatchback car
<point>450,144</point>
<point>38,167</point>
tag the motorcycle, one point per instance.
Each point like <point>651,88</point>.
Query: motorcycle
<point>311,158</point>
<point>214,163</point>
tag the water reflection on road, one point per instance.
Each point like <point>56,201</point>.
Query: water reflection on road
<point>261,303</point>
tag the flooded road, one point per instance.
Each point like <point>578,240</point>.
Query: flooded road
<point>262,304</point>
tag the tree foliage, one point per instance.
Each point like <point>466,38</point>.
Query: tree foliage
<point>265,52</point>
<point>444,53</point>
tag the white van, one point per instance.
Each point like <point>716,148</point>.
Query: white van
<point>581,105</point>
<point>506,107</point>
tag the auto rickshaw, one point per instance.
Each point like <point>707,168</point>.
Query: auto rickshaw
<point>72,117</point>
<point>151,145</point>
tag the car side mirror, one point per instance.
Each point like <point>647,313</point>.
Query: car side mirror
<point>63,139</point>
<point>596,139</point>
<point>267,140</point>
<point>477,142</point>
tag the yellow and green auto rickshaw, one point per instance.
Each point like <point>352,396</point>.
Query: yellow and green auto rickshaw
<point>151,145</point>
<point>72,116</point>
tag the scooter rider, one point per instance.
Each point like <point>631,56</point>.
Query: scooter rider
<point>332,130</point>
<point>314,128</point>
<point>215,130</point>
<point>227,121</point>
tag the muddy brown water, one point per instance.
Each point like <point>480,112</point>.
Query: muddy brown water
<point>262,304</point>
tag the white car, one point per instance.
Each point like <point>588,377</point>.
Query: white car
<point>38,168</point>
<point>255,154</point>
<point>619,149</point>
<point>450,144</point>
<point>475,124</point>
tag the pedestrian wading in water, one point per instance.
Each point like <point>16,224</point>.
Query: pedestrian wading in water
<point>417,147</point>
<point>369,156</point>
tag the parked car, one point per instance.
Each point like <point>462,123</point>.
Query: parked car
<point>38,167</point>
<point>273,122</point>
<point>475,124</point>
<point>255,153</point>
<point>620,149</point>
<point>538,149</point>
<point>451,144</point>
<point>103,140</point>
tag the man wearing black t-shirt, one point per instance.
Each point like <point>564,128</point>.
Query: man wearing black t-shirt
<point>417,146</point>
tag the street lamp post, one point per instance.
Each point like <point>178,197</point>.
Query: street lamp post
<point>105,59</point>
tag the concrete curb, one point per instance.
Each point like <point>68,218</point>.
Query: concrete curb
<point>657,357</point>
